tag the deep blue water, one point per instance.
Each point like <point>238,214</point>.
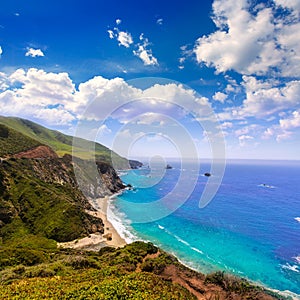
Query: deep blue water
<point>250,228</point>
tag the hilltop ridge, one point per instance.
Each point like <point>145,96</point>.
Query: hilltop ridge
<point>24,135</point>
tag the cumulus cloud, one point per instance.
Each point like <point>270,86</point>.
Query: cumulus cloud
<point>43,96</point>
<point>124,38</point>
<point>142,49</point>
<point>264,98</point>
<point>34,52</point>
<point>53,99</point>
<point>105,96</point>
<point>252,40</point>
<point>292,121</point>
<point>221,97</point>
<point>145,53</point>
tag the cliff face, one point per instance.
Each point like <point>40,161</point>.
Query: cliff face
<point>40,196</point>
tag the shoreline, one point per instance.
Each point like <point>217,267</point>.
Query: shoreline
<point>96,241</point>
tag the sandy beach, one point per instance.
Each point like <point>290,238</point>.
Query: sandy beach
<point>96,241</point>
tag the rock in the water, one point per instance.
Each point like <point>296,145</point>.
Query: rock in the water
<point>134,164</point>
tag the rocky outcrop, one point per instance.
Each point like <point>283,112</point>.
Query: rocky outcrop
<point>135,164</point>
<point>96,180</point>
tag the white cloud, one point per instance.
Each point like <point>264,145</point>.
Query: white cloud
<point>151,118</point>
<point>118,21</point>
<point>124,38</point>
<point>182,60</point>
<point>43,96</point>
<point>291,122</point>
<point>111,34</point>
<point>285,135</point>
<point>34,52</point>
<point>159,21</point>
<point>103,130</point>
<point>291,4</point>
<point>252,40</point>
<point>103,95</point>
<point>1,51</point>
<point>3,82</point>
<point>244,139</point>
<point>53,99</point>
<point>146,56</point>
<point>141,50</point>
<point>264,98</point>
<point>221,97</point>
<point>144,53</point>
<point>226,125</point>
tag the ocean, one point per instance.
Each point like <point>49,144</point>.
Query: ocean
<point>251,228</point>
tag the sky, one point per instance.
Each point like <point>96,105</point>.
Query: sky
<point>167,78</point>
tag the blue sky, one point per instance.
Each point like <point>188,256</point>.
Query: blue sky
<point>137,70</point>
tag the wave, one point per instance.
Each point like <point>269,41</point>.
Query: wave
<point>119,222</point>
<point>197,250</point>
<point>122,173</point>
<point>297,219</point>
<point>293,268</point>
<point>179,239</point>
<point>297,258</point>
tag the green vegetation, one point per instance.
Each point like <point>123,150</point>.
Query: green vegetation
<point>12,142</point>
<point>67,274</point>
<point>62,144</point>
<point>39,200</point>
<point>117,274</point>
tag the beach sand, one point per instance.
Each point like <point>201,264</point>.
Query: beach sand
<point>96,241</point>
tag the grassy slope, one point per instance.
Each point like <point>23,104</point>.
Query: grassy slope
<point>138,271</point>
<point>43,208</point>
<point>12,141</point>
<point>59,142</point>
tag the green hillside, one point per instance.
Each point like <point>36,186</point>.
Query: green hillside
<point>12,141</point>
<point>59,142</point>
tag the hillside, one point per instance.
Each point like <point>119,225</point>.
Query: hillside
<point>12,141</point>
<point>25,133</point>
<point>137,271</point>
<point>41,197</point>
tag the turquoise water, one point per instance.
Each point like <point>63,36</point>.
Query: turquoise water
<point>251,228</point>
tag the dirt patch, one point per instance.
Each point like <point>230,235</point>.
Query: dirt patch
<point>38,152</point>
